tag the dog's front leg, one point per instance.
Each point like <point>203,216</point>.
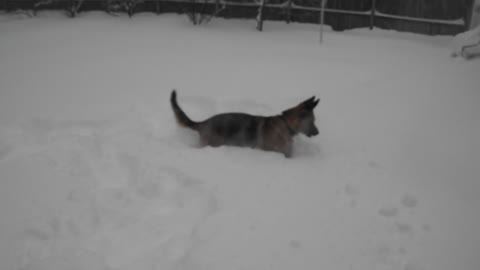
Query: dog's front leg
<point>287,149</point>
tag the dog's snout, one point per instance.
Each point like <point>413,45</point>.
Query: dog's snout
<point>313,132</point>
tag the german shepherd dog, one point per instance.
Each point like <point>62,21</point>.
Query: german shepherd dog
<point>270,133</point>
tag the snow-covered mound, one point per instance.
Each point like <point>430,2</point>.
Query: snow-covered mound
<point>467,44</point>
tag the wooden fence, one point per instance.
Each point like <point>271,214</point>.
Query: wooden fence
<point>421,16</point>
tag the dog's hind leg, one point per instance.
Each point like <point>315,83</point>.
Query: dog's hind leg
<point>211,140</point>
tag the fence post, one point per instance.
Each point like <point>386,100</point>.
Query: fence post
<point>260,15</point>
<point>372,14</point>
<point>289,10</point>
<point>157,7</point>
<point>322,19</point>
<point>217,6</point>
<point>475,16</point>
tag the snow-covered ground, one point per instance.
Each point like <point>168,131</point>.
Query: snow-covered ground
<point>95,174</point>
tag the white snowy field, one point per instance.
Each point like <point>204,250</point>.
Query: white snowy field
<point>95,174</point>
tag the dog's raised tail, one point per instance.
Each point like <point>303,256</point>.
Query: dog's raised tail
<point>182,118</point>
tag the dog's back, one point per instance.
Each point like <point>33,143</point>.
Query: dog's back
<point>236,129</point>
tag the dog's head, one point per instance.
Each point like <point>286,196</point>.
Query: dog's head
<point>301,118</point>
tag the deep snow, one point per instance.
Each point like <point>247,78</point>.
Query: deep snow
<point>95,174</point>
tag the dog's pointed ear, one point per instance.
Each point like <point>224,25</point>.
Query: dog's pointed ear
<point>308,102</point>
<point>311,103</point>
